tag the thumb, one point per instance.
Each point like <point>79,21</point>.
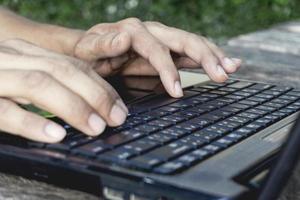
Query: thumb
<point>93,46</point>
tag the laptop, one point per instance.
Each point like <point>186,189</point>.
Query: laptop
<point>217,142</point>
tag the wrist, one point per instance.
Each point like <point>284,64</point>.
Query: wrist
<point>60,39</point>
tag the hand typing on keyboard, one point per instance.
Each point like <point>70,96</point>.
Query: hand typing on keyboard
<point>57,69</point>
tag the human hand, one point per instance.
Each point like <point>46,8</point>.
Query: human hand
<point>62,85</point>
<point>148,48</point>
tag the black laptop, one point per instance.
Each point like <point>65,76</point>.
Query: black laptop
<point>217,142</point>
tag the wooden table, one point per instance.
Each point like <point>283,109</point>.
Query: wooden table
<point>271,55</point>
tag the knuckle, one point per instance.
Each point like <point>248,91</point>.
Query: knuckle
<point>64,67</point>
<point>164,49</point>
<point>132,20</point>
<point>36,79</point>
<point>153,23</point>
<point>77,107</point>
<point>103,103</point>
<point>132,24</point>
<point>27,121</point>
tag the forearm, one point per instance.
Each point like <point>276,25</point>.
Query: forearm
<point>56,38</point>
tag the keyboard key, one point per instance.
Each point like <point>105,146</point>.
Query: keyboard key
<point>170,108</point>
<point>228,124</point>
<point>266,108</point>
<point>146,128</point>
<point>248,90</point>
<point>144,162</point>
<point>240,106</point>
<point>160,123</point>
<point>188,126</point>
<point>188,159</point>
<point>239,120</point>
<point>257,99</point>
<point>221,114</point>
<point>227,100</point>
<point>180,104</point>
<point>175,118</point>
<point>272,92</point>
<point>212,148</point>
<point>199,89</point>
<point>257,111</point>
<point>235,137</point>
<point>227,89</point>
<point>170,151</point>
<point>231,109</point>
<point>175,132</point>
<point>244,94</point>
<point>115,156</point>
<point>160,138</point>
<point>281,89</point>
<point>234,97</point>
<point>220,130</point>
<point>259,86</point>
<point>140,146</point>
<point>223,142</point>
<point>249,115</point>
<point>294,93</point>
<point>253,126</point>
<point>263,122</point>
<point>206,135</point>
<point>122,137</point>
<point>193,141</point>
<point>169,167</point>
<point>245,131</point>
<point>207,118</point>
<point>274,105</point>
<point>210,87</point>
<point>219,92</point>
<point>240,85</point>
<point>289,97</point>
<point>264,96</point>
<point>91,149</point>
<point>282,101</point>
<point>200,153</point>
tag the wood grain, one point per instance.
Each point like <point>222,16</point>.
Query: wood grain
<point>271,55</point>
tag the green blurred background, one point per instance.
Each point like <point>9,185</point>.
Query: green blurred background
<point>218,19</point>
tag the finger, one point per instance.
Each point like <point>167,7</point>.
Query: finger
<point>110,66</point>
<point>21,100</point>
<point>230,65</point>
<point>156,53</point>
<point>95,46</point>
<point>108,87</point>
<point>143,83</point>
<point>185,62</point>
<point>141,67</point>
<point>48,94</point>
<point>17,121</point>
<point>190,45</point>
<point>66,72</point>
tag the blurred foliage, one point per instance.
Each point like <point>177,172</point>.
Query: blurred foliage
<point>218,19</point>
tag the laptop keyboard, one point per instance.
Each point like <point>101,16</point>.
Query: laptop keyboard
<point>172,135</point>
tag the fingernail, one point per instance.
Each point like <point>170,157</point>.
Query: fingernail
<point>229,63</point>
<point>55,131</point>
<point>221,71</point>
<point>96,123</point>
<point>178,89</point>
<point>236,60</point>
<point>117,114</point>
<point>122,105</point>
